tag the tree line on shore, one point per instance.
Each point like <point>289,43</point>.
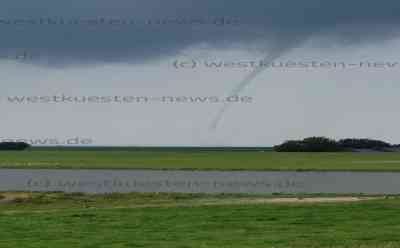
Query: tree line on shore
<point>14,146</point>
<point>324,144</point>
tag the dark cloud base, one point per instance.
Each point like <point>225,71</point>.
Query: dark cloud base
<point>274,22</point>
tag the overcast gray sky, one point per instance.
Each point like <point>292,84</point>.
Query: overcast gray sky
<point>116,49</point>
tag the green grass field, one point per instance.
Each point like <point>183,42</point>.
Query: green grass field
<point>200,160</point>
<point>193,221</point>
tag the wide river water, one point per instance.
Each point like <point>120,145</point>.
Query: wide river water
<point>250,182</point>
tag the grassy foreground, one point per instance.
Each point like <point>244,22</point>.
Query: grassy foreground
<point>174,220</point>
<point>219,160</point>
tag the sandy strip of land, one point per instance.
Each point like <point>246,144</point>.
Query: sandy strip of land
<point>11,196</point>
<point>312,199</point>
<point>8,197</point>
<point>284,200</point>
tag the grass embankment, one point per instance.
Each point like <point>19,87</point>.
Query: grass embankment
<point>208,221</point>
<point>200,160</point>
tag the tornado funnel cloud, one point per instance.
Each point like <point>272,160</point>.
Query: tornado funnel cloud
<point>274,53</point>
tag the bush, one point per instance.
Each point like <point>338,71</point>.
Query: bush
<point>312,144</point>
<point>14,146</point>
<point>323,144</point>
<point>290,146</point>
<point>364,144</point>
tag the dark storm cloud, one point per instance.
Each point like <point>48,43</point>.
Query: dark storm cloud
<point>282,24</point>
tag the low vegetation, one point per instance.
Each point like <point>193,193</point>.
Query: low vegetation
<point>177,220</point>
<point>323,144</point>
